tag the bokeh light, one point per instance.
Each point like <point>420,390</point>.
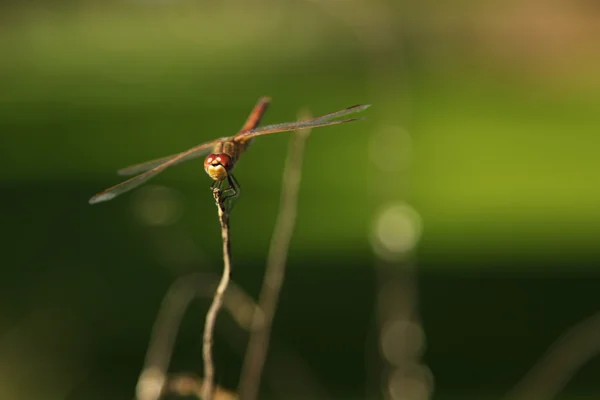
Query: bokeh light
<point>396,231</point>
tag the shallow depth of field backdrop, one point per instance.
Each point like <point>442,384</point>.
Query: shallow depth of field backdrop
<point>441,246</point>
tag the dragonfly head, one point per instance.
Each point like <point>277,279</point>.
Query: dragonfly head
<point>217,166</point>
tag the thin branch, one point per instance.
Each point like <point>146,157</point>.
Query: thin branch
<point>211,315</point>
<point>567,355</point>
<point>152,379</point>
<point>258,343</point>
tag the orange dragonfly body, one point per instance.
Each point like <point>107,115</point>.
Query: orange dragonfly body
<point>224,152</point>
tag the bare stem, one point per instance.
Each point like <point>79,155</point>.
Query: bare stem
<point>211,315</point>
<point>258,343</point>
<point>567,355</point>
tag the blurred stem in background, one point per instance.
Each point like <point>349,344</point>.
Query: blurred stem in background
<point>258,343</point>
<point>568,354</point>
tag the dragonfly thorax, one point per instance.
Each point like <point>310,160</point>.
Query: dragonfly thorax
<point>217,166</point>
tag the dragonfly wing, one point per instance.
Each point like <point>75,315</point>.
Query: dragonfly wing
<point>129,184</point>
<point>291,126</point>
<point>148,165</point>
<point>145,166</point>
<point>153,170</point>
<point>344,112</point>
<point>256,114</point>
<point>316,122</point>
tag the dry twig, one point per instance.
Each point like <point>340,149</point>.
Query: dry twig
<point>213,311</point>
<point>258,343</point>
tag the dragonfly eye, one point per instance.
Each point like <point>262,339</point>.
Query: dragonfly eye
<point>218,159</point>
<point>224,160</point>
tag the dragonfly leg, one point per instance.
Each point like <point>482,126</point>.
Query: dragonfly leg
<point>233,190</point>
<point>237,184</point>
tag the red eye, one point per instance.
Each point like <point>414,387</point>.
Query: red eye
<point>208,160</point>
<point>224,160</point>
<point>218,159</point>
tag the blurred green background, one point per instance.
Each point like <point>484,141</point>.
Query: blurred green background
<point>484,129</point>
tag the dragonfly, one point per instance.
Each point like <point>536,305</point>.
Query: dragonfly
<point>223,153</point>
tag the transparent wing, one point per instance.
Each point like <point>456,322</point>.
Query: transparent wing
<point>148,165</point>
<point>154,168</point>
<point>345,111</point>
<point>323,120</point>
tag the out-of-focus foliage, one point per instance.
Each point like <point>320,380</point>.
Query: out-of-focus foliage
<point>493,114</point>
